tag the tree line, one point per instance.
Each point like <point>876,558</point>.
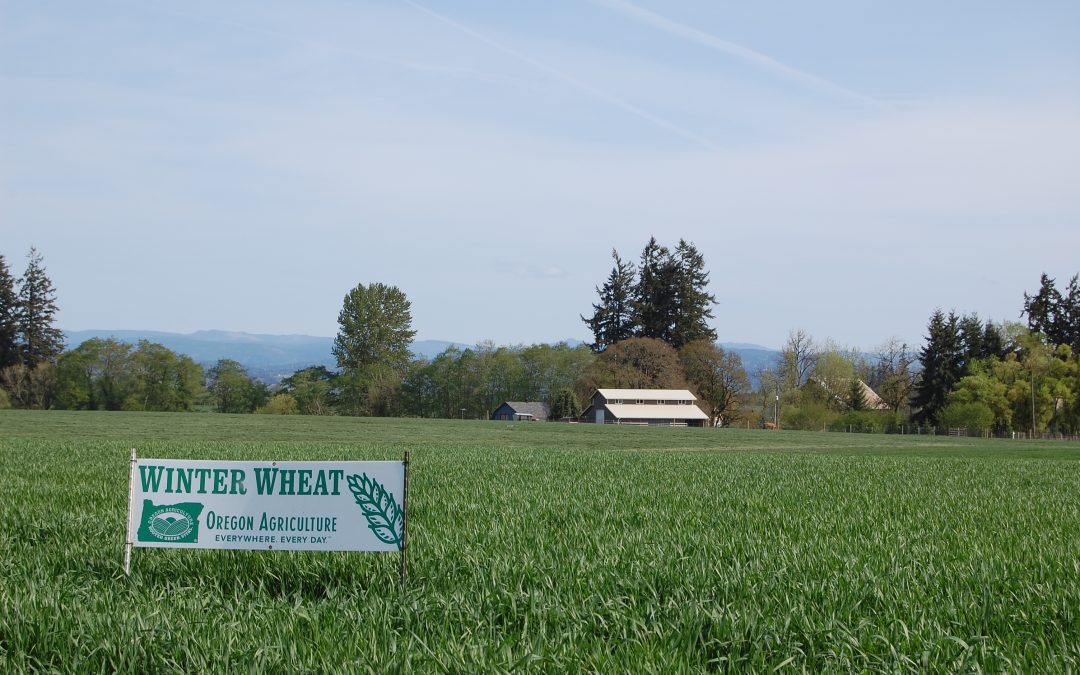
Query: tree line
<point>985,377</point>
<point>650,329</point>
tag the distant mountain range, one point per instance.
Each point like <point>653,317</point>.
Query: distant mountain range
<point>273,357</point>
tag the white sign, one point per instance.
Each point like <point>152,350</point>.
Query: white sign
<point>298,506</point>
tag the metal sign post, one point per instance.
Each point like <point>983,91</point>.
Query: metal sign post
<point>404,519</point>
<point>129,542</point>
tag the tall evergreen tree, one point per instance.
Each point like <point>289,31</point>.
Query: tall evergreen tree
<point>9,322</point>
<point>1070,312</point>
<point>971,341</point>
<point>993,342</point>
<point>857,395</point>
<point>1046,312</point>
<point>1056,316</point>
<point>669,301</point>
<point>613,318</point>
<point>941,360</point>
<point>693,302</point>
<point>656,293</point>
<point>36,311</point>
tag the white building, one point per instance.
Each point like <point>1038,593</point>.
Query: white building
<point>653,407</point>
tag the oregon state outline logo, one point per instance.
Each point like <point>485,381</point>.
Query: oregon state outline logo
<point>172,523</point>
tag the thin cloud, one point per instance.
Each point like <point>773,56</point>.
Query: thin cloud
<point>755,58</point>
<point>593,91</point>
<point>326,46</point>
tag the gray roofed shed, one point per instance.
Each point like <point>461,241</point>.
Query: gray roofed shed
<point>522,410</point>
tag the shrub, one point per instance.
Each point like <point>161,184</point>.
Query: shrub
<point>807,417</point>
<point>864,421</point>
<point>976,417</point>
<point>281,404</point>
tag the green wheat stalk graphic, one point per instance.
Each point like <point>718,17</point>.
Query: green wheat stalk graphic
<point>383,514</point>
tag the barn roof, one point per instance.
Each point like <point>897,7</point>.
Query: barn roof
<point>624,411</point>
<point>648,394</point>
<point>535,408</point>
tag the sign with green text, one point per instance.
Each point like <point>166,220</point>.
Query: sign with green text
<point>305,506</point>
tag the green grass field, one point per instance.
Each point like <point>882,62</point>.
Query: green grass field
<point>557,548</point>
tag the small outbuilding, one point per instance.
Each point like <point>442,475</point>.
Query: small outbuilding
<point>530,411</point>
<point>652,407</point>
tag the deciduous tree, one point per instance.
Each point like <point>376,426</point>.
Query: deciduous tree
<point>893,375</point>
<point>232,390</point>
<point>637,363</point>
<point>313,390</point>
<point>372,348</point>
<point>717,378</point>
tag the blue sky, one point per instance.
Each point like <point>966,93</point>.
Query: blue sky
<point>845,167</point>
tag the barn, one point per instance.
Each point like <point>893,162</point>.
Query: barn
<point>522,410</point>
<point>652,407</point>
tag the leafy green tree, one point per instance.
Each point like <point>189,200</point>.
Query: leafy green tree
<point>375,328</point>
<point>9,319</point>
<point>717,378</point>
<point>833,370</point>
<point>613,317</point>
<point>975,416</point>
<point>988,384</point>
<point>477,380</point>
<point>942,362</point>
<point>107,374</point>
<point>418,390</point>
<point>40,340</point>
<point>313,389</point>
<point>637,363</point>
<point>372,348</point>
<point>168,382</point>
<point>232,390</point>
<point>96,375</point>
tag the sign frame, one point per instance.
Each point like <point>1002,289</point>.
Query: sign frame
<point>131,541</point>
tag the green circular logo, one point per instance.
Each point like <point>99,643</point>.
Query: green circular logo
<point>170,523</point>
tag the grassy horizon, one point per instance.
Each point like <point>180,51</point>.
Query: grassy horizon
<point>553,547</point>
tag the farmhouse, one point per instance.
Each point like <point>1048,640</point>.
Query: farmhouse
<point>654,407</point>
<point>519,410</point>
<point>871,398</point>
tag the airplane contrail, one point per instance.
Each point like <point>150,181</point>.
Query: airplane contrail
<point>763,61</point>
<point>596,92</point>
